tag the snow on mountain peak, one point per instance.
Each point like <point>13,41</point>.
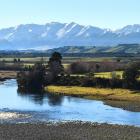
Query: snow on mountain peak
<point>129,29</point>
<point>63,34</point>
<point>68,28</point>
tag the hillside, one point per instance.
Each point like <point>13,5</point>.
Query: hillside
<point>122,48</point>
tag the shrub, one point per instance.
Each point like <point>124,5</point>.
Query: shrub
<point>130,76</point>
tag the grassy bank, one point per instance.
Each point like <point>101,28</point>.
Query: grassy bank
<point>96,93</point>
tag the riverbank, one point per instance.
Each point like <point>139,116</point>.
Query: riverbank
<point>68,131</point>
<point>4,75</point>
<point>122,98</point>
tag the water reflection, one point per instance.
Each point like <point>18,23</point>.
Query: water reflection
<point>35,98</point>
<point>54,99</point>
<point>40,97</point>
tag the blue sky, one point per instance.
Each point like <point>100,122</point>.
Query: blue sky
<point>102,13</point>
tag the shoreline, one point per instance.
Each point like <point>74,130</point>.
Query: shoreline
<point>121,98</point>
<point>68,131</point>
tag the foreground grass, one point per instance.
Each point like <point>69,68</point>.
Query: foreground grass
<point>96,93</point>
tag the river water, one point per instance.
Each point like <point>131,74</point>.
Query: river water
<point>23,108</point>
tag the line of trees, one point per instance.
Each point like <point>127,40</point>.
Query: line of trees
<point>40,75</point>
<point>129,79</point>
<point>87,67</point>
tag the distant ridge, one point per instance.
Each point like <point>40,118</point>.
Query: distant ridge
<point>121,48</point>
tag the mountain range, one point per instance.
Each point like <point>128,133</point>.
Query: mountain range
<point>55,34</point>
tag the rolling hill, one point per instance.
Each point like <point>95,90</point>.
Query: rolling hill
<point>122,48</point>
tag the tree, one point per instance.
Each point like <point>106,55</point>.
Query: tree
<point>18,60</point>
<point>32,80</point>
<point>15,60</point>
<point>97,67</point>
<point>54,65</point>
<point>79,68</point>
<point>130,76</point>
<point>118,59</point>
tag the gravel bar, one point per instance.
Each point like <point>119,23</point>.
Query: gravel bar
<point>68,131</point>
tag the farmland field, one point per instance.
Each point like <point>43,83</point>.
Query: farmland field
<point>73,59</point>
<point>109,74</point>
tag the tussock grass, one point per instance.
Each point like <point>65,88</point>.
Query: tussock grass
<point>96,93</point>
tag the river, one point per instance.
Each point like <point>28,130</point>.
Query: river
<point>31,108</point>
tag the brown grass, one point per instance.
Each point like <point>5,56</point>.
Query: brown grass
<point>94,93</point>
<point>8,74</point>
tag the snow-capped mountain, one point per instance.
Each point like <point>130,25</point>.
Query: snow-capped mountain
<point>129,29</point>
<point>54,34</point>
